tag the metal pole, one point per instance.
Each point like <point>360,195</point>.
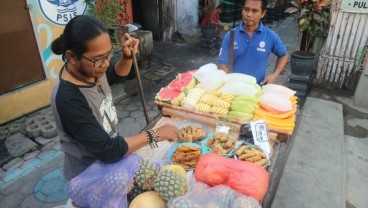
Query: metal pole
<point>140,86</point>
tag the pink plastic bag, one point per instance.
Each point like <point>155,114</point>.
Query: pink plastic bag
<point>247,178</point>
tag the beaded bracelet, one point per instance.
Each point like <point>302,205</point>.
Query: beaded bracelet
<point>156,135</point>
<point>151,141</point>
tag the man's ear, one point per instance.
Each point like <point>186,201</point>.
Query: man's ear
<point>70,56</point>
<point>264,13</point>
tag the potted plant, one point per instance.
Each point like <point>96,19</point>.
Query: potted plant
<point>312,19</point>
<point>210,18</point>
<point>107,11</point>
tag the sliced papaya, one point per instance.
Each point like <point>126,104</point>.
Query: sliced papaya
<point>268,108</point>
<point>261,112</point>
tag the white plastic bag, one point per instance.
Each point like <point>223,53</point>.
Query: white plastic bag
<point>200,195</point>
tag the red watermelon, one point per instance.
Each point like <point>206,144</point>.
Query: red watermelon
<point>186,75</point>
<point>169,95</point>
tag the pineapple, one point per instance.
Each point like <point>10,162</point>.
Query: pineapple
<point>145,175</point>
<point>135,191</point>
<point>169,184</point>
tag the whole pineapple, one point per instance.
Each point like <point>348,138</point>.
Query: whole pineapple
<point>145,175</point>
<point>169,184</point>
<point>135,191</point>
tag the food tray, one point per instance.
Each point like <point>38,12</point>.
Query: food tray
<point>173,149</point>
<point>206,149</point>
<point>176,110</point>
<point>191,123</point>
<point>254,146</point>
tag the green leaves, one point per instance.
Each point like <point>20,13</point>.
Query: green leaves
<point>311,18</point>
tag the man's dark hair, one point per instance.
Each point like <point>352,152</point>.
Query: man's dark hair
<point>264,4</point>
<point>77,32</point>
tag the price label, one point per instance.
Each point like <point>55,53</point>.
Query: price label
<point>260,135</point>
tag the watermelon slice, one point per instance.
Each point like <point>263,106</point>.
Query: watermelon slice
<point>177,85</point>
<point>171,96</point>
<point>186,75</point>
<point>183,84</point>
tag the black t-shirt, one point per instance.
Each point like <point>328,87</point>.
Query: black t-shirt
<point>87,124</point>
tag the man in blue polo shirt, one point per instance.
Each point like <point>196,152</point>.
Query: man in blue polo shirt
<point>253,43</point>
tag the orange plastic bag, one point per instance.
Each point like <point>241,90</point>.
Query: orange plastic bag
<point>247,178</point>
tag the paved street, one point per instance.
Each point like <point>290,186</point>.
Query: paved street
<point>35,179</point>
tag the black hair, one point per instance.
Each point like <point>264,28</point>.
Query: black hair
<point>264,4</point>
<point>77,32</point>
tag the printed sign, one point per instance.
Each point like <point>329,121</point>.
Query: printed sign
<point>260,135</point>
<point>61,11</point>
<point>357,6</point>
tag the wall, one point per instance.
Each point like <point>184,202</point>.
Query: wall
<point>187,16</point>
<point>48,22</point>
<point>348,34</point>
<point>180,16</point>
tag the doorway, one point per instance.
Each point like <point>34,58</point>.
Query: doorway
<point>21,63</point>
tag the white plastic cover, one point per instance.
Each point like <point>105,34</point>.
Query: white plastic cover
<point>276,101</point>
<point>239,88</point>
<point>279,89</point>
<point>238,77</point>
<point>209,76</point>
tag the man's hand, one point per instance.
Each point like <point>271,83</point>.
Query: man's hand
<point>269,79</point>
<point>129,43</point>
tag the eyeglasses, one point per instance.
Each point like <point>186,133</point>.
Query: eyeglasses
<point>100,61</point>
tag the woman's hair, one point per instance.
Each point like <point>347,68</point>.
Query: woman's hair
<point>77,33</point>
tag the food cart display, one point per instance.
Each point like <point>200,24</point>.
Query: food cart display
<point>234,137</point>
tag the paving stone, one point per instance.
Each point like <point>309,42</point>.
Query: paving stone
<point>12,201</point>
<point>152,114</point>
<point>44,141</point>
<point>13,164</point>
<point>128,120</point>
<point>48,146</point>
<point>30,165</point>
<point>19,144</point>
<point>132,107</point>
<point>57,146</point>
<point>12,175</point>
<point>31,155</point>
<point>2,173</point>
<point>136,114</point>
<point>31,201</point>
<point>48,155</point>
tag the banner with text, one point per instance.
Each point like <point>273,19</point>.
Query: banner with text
<point>356,6</point>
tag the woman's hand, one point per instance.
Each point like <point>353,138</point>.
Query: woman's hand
<point>168,132</point>
<point>128,44</point>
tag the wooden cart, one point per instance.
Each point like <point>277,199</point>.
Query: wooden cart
<point>280,141</point>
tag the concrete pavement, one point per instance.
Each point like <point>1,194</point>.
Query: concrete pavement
<point>35,181</point>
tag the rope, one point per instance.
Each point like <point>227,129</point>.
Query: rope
<point>360,59</point>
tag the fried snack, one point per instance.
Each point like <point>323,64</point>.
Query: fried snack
<point>240,150</point>
<point>191,133</point>
<point>220,143</point>
<point>186,156</point>
<point>261,162</point>
<point>251,154</point>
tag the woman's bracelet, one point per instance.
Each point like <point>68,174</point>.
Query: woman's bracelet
<point>152,138</point>
<point>156,135</point>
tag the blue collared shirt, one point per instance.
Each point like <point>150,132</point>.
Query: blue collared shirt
<point>251,55</point>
